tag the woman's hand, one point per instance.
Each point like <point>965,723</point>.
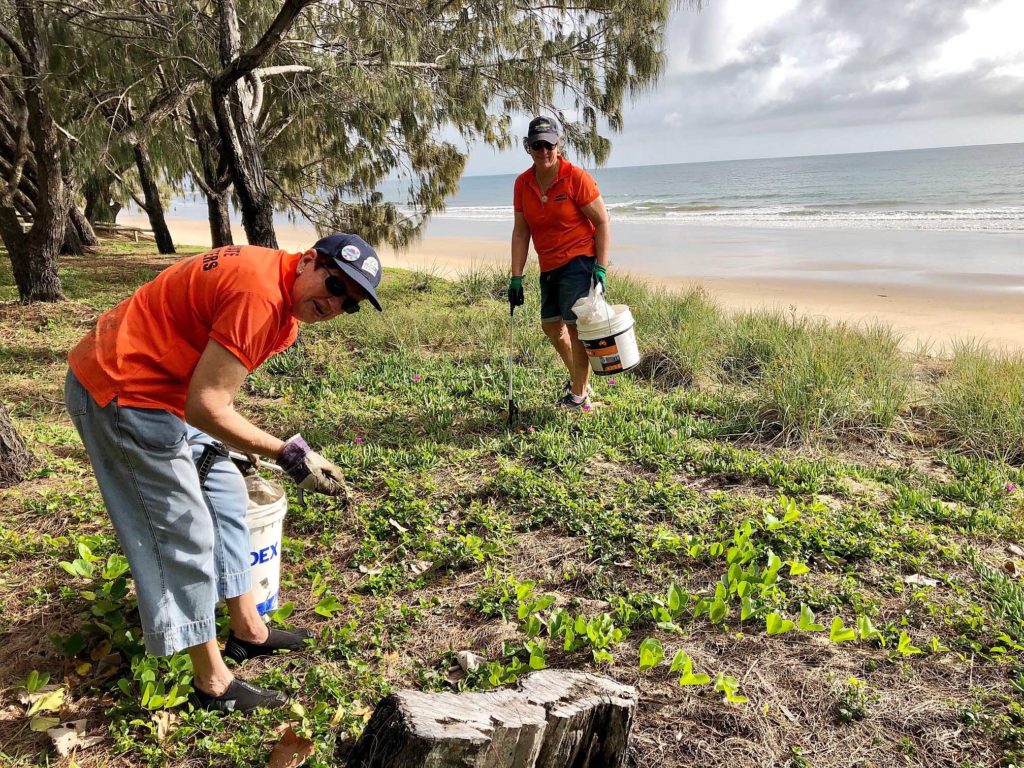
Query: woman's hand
<point>516,297</point>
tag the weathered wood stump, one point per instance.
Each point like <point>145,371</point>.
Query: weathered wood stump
<point>550,719</point>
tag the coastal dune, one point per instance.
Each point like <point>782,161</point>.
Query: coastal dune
<point>928,315</point>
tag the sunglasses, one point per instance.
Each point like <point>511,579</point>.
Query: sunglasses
<point>537,146</point>
<point>336,287</point>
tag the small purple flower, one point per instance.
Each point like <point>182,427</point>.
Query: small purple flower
<point>1010,487</point>
<point>358,440</point>
<point>586,407</point>
<point>416,377</point>
<point>611,382</point>
<point>531,430</point>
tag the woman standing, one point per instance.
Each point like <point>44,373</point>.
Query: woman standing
<point>560,208</point>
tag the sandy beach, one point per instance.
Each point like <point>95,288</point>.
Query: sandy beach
<point>929,315</point>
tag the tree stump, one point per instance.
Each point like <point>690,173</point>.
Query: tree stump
<point>550,719</point>
<point>15,460</point>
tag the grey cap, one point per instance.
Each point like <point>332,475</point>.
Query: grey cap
<point>543,129</point>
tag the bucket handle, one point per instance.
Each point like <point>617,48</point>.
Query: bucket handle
<point>599,291</point>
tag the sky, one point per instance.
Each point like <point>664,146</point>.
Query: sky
<point>778,78</point>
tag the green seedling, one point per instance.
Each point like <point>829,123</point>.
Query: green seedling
<point>684,664</point>
<point>36,680</point>
<point>651,653</point>
<point>538,654</point>
<point>852,704</point>
<point>839,632</point>
<point>327,607</point>
<point>797,568</point>
<point>868,632</point>
<point>790,514</point>
<point>806,622</point>
<point>729,687</point>
<point>48,702</point>
<point>281,615</point>
<point>904,647</point>
<point>776,625</point>
<point>936,646</point>
<point>84,566</point>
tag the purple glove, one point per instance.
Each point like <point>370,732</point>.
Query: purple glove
<point>309,470</point>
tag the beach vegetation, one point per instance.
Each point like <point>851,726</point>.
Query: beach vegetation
<point>979,403</point>
<point>811,380</point>
<point>797,583</point>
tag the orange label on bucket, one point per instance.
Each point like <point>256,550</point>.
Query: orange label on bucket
<point>603,351</point>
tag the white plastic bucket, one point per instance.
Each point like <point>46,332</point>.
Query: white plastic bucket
<point>610,341</point>
<point>265,515</point>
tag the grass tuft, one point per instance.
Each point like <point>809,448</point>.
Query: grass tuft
<point>979,403</point>
<point>820,381</point>
<point>480,282</point>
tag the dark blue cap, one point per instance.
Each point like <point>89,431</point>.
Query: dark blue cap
<point>543,129</point>
<point>356,258</point>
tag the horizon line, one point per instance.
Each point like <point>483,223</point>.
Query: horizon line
<point>770,157</point>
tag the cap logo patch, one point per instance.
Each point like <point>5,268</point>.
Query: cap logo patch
<point>350,253</point>
<point>371,266</point>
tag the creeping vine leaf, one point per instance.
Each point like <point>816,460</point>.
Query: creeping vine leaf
<point>806,622</point>
<point>777,625</point>
<point>904,647</point>
<point>651,653</point>
<point>839,632</point>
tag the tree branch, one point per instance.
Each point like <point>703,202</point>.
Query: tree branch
<point>127,187</point>
<point>19,50</point>
<point>251,59</point>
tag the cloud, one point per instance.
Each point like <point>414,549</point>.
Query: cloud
<point>753,78</point>
<point>742,67</point>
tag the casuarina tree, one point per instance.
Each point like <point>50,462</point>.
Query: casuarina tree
<point>38,140</point>
<point>316,103</point>
<point>386,83</point>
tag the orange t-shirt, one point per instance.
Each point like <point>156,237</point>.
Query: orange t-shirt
<point>144,350</point>
<point>559,228</point>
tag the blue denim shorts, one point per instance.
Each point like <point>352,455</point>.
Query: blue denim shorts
<point>562,287</point>
<point>187,544</point>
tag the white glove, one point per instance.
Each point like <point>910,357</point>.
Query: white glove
<point>311,471</point>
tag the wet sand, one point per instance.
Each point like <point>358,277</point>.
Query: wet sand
<point>933,312</point>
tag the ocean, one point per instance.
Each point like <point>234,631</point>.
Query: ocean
<point>949,218</point>
<point>955,189</point>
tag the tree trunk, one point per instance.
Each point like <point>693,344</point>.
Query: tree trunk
<point>99,205</point>
<point>245,161</point>
<point>220,219</point>
<point>15,460</point>
<point>551,719</point>
<point>34,254</point>
<point>72,244</point>
<point>78,234</point>
<point>78,220</point>
<point>154,206</point>
<point>236,121</point>
<point>215,180</point>
<point>34,263</point>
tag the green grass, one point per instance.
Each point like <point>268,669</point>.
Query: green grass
<point>755,470</point>
<point>979,403</point>
<point>813,381</point>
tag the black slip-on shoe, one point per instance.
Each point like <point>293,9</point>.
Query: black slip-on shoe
<point>278,640</point>
<point>239,697</point>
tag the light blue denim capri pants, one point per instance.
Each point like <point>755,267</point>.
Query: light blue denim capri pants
<point>187,543</point>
